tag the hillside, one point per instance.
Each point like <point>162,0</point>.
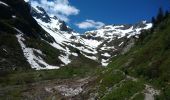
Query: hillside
<point>26,45</point>
<point>42,58</point>
<point>146,64</point>
<point>12,18</point>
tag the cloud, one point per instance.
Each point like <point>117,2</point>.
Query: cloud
<point>90,24</point>
<point>60,8</point>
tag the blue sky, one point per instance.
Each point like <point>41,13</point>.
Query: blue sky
<point>117,11</point>
<point>94,13</point>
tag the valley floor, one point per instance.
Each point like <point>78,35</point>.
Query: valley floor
<point>87,87</point>
<point>65,89</point>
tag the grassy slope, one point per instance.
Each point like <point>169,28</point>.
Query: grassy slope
<point>149,61</point>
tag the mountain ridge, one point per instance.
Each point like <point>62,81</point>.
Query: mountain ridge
<point>90,41</point>
<point>98,45</point>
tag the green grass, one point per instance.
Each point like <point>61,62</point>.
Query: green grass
<point>124,91</point>
<point>13,94</point>
<point>139,96</point>
<point>31,76</point>
<point>18,81</point>
<point>148,60</point>
<point>165,93</point>
<point>108,79</point>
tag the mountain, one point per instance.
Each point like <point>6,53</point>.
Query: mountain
<point>68,42</point>
<point>42,58</point>
<point>111,40</point>
<point>15,16</point>
<point>34,46</point>
<point>99,45</point>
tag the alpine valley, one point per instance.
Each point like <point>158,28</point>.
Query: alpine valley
<point>42,58</point>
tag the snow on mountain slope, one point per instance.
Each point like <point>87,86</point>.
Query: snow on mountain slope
<point>65,38</point>
<point>112,31</point>
<point>33,60</point>
<point>99,45</point>
<point>111,39</point>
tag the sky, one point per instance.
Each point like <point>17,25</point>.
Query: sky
<point>84,15</point>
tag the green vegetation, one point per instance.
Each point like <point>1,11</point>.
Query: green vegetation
<point>139,96</point>
<point>31,76</point>
<point>148,60</point>
<point>12,94</point>
<point>124,91</point>
<point>108,79</point>
<point>115,85</point>
<point>11,54</point>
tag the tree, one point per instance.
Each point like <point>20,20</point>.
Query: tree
<point>154,23</point>
<point>153,20</point>
<point>160,15</point>
<point>166,14</point>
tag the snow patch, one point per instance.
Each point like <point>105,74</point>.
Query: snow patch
<point>106,54</point>
<point>74,54</point>
<point>121,44</point>
<point>3,3</point>
<point>65,59</point>
<point>90,57</point>
<point>13,16</point>
<point>92,43</point>
<point>107,48</point>
<point>104,62</point>
<point>33,60</point>
<point>5,50</point>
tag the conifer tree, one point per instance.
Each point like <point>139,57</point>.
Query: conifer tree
<point>153,20</point>
<point>160,15</point>
<point>166,14</point>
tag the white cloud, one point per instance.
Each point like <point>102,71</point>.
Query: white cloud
<point>60,8</point>
<point>90,24</point>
